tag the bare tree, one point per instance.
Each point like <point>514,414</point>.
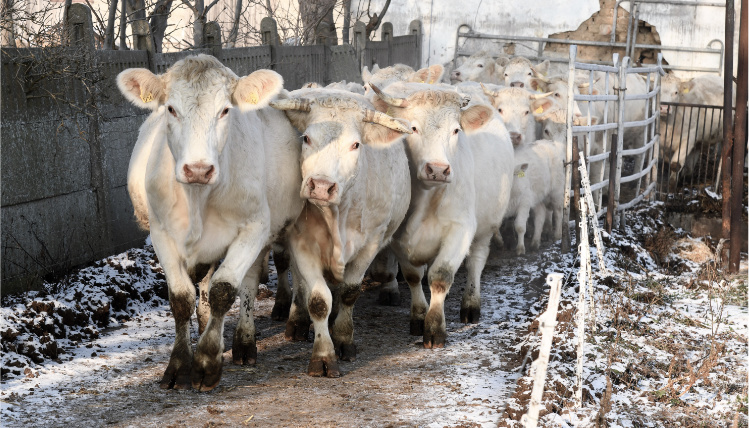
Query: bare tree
<point>123,24</point>
<point>232,39</point>
<point>315,14</point>
<point>375,20</point>
<point>109,33</point>
<point>158,22</point>
<point>8,33</point>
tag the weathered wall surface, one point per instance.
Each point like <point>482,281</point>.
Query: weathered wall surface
<point>669,25</point>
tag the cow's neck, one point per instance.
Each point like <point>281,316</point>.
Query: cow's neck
<point>196,198</point>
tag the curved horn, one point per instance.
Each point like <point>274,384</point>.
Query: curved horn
<point>489,92</point>
<point>385,120</point>
<point>301,104</point>
<point>540,77</point>
<point>539,96</point>
<point>395,102</point>
<point>584,85</point>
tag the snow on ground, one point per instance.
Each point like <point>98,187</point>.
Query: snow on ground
<point>659,356</point>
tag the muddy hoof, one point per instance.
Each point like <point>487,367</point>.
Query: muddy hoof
<point>470,315</point>
<point>280,311</point>
<point>417,328</point>
<point>206,378</point>
<point>389,298</point>
<point>244,353</point>
<point>347,352</point>
<point>434,340</point>
<point>323,367</point>
<point>296,332</point>
<point>176,378</point>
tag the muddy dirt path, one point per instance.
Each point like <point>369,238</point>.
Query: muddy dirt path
<point>393,382</point>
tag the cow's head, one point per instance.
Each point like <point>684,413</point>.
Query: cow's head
<point>480,67</point>
<point>552,113</point>
<point>438,122</point>
<point>199,97</point>
<point>336,127</point>
<point>521,73</point>
<point>671,90</point>
<point>514,107</point>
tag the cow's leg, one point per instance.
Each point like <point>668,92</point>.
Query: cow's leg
<point>204,308</point>
<point>413,275</point>
<point>384,269</point>
<point>182,303</point>
<point>281,259</point>
<point>265,271</point>
<point>521,220</point>
<point>343,328</point>
<point>470,305</point>
<point>244,348</point>
<point>297,326</point>
<point>539,217</point>
<point>241,255</point>
<point>441,274</point>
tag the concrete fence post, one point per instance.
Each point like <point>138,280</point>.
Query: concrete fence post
<point>386,33</point>
<point>269,31</point>
<point>360,42</point>
<point>415,29</point>
<point>79,29</point>
<point>212,38</point>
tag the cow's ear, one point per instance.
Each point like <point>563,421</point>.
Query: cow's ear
<point>365,74</point>
<point>435,73</point>
<point>255,91</point>
<point>541,68</point>
<point>142,88</point>
<point>538,85</point>
<point>686,87</point>
<point>542,107</point>
<point>474,118</point>
<point>420,76</point>
<point>381,105</point>
<point>377,135</point>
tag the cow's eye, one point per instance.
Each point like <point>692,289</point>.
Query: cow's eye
<point>455,132</point>
<point>530,74</point>
<point>171,111</point>
<point>413,128</point>
<point>527,112</point>
<point>305,139</point>
<point>507,75</point>
<point>224,112</point>
<point>355,146</point>
<point>556,94</point>
<point>481,65</point>
<point>500,111</point>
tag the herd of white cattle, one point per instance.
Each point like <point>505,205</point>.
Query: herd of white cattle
<point>405,171</point>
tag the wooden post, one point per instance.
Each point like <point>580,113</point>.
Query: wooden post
<point>739,146</point>
<point>727,119</point>
<point>576,188</point>
<point>610,205</point>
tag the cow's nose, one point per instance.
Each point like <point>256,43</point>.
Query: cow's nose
<point>437,171</point>
<point>516,138</point>
<point>517,85</point>
<point>198,173</point>
<point>323,190</point>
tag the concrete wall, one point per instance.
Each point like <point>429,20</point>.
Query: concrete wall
<point>64,158</point>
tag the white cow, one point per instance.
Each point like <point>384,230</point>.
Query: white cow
<point>514,107</point>
<point>461,163</point>
<point>539,185</point>
<point>357,187</point>
<point>521,73</point>
<point>382,77</point>
<point>685,127</point>
<point>210,173</point>
<point>480,67</point>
